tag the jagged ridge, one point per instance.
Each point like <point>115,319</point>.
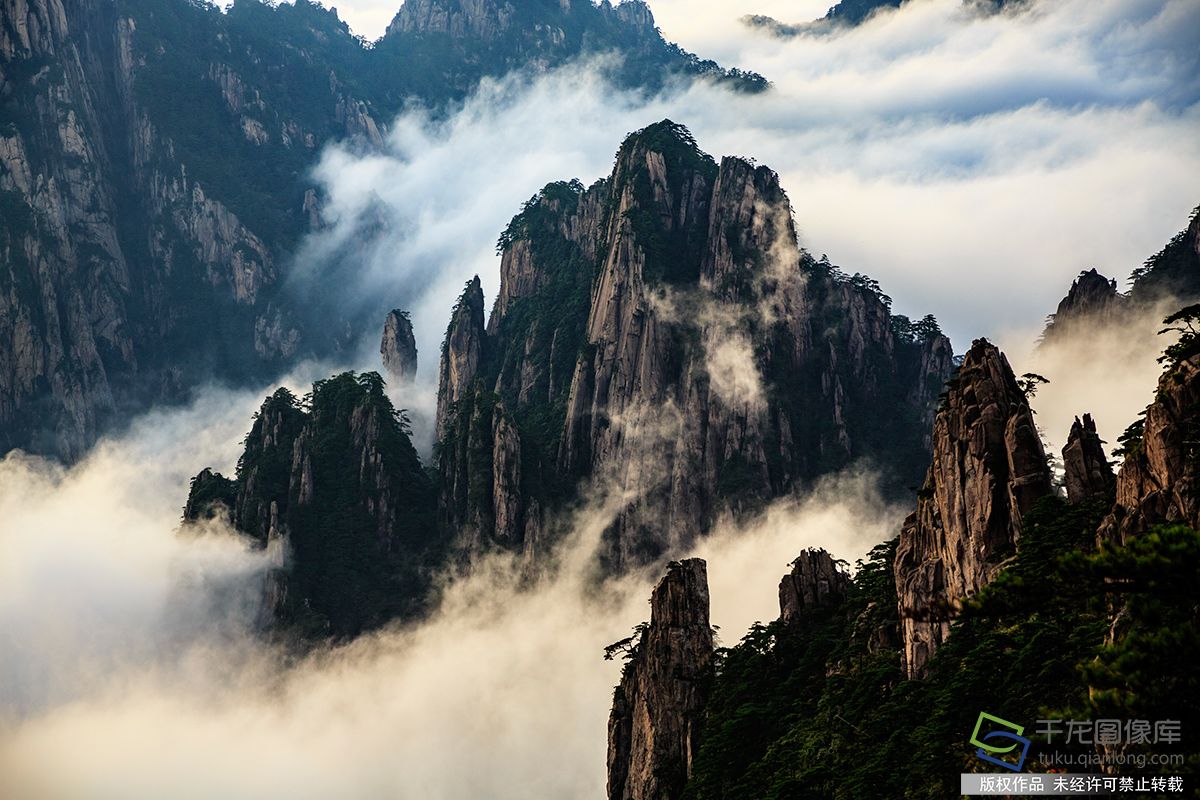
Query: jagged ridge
<point>719,365</point>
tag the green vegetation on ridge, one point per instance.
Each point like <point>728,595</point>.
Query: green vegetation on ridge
<point>820,710</point>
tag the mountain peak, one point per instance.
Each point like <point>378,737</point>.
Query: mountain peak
<point>988,469</point>
<point>667,138</point>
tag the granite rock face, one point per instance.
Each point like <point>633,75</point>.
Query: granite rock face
<point>660,335</point>
<point>338,492</point>
<point>988,469</point>
<point>1159,478</point>
<point>149,164</point>
<point>815,580</point>
<point>480,19</point>
<point>455,43</point>
<point>654,727</point>
<point>398,348</point>
<point>461,353</point>
<point>1088,474</point>
<point>1092,299</point>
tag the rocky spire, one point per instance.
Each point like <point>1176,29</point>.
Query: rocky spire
<point>337,485</point>
<point>988,469</point>
<point>399,347</point>
<point>815,580</point>
<point>653,730</point>
<point>485,20</point>
<point>461,352</point>
<point>1092,298</point>
<point>1159,480</point>
<point>1088,473</point>
<point>265,468</point>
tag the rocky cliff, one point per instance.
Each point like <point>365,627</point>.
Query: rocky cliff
<point>398,348</point>
<point>131,270</point>
<point>1087,473</point>
<point>1092,298</point>
<point>988,469</point>
<point>1159,478</point>
<point>654,727</point>
<point>815,580</point>
<point>661,335</point>
<point>153,156</point>
<point>462,353</point>
<point>336,487</point>
<point>457,42</point>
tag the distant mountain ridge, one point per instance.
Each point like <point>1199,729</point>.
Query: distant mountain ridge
<point>849,13</point>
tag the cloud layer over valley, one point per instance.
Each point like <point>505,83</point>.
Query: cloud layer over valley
<point>129,670</point>
<point>972,164</point>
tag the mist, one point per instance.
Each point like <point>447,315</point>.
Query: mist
<point>1107,368</point>
<point>131,669</point>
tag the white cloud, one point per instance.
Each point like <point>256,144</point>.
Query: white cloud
<point>129,671</point>
<point>973,165</point>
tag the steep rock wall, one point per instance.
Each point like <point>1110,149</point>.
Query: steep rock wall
<point>988,469</point>
<point>654,727</point>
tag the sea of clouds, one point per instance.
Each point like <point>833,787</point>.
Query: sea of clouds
<point>973,164</point>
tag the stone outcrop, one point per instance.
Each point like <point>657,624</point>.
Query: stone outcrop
<point>337,491</point>
<point>666,339</point>
<point>211,495</point>
<point>1159,478</point>
<point>654,728</point>
<point>457,42</point>
<point>461,353</point>
<point>1087,473</point>
<point>988,469</point>
<point>815,580</point>
<point>1092,299</point>
<point>398,349</point>
<point>481,19</point>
